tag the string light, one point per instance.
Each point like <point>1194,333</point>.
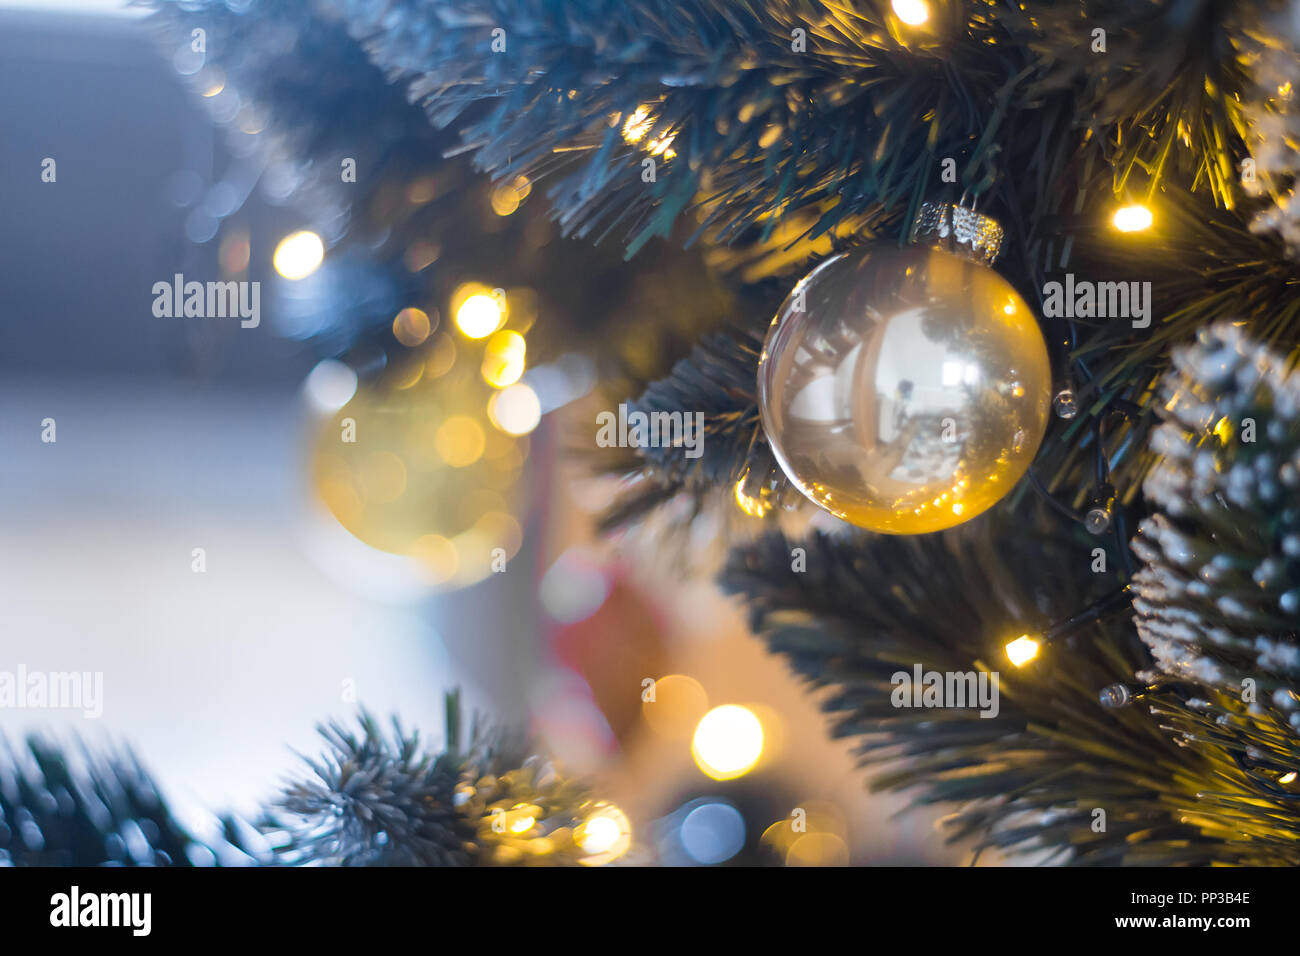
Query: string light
<point>1022,650</point>
<point>1134,218</point>
<point>911,12</point>
<point>1119,695</point>
<point>1027,647</point>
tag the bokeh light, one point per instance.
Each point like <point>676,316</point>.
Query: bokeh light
<point>412,327</point>
<point>574,587</point>
<point>515,409</point>
<point>679,703</point>
<point>728,742</point>
<point>506,197</point>
<point>712,833</point>
<point>299,255</point>
<point>330,385</point>
<point>460,441</point>
<point>605,835</point>
<point>818,849</point>
<point>503,359</point>
<point>480,311</point>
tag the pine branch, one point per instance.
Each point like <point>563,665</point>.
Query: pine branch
<point>61,808</point>
<point>375,799</point>
<point>414,225</point>
<point>371,799</point>
<point>1029,779</point>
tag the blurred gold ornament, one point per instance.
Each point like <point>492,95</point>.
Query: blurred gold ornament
<point>906,390</point>
<point>419,471</point>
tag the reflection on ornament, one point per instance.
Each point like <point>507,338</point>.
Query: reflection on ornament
<point>419,472</point>
<point>1065,404</point>
<point>904,390</point>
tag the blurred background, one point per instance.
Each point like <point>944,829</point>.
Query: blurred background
<point>203,532</point>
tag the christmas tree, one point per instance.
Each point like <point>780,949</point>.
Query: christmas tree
<point>1026,418</point>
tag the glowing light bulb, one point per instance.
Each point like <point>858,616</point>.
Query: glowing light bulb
<point>911,12</point>
<point>480,315</point>
<point>1287,777</point>
<point>1022,650</point>
<point>1133,218</point>
<point>728,742</point>
<point>298,255</point>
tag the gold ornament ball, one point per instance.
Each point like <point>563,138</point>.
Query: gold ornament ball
<point>904,390</point>
<point>411,465</point>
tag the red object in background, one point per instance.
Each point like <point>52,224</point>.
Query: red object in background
<point>615,649</point>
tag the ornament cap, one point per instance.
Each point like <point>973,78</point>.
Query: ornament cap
<point>957,228</point>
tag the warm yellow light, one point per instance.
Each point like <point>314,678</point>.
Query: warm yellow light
<point>515,409</point>
<point>754,507</point>
<point>1133,218</point>
<point>506,197</point>
<point>460,441</point>
<point>1022,650</point>
<point>503,359</point>
<point>728,742</point>
<point>912,12</point>
<point>480,315</point>
<point>522,824</point>
<point>638,124</point>
<point>605,835</point>
<point>298,255</point>
<point>1287,777</point>
<point>676,707</point>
